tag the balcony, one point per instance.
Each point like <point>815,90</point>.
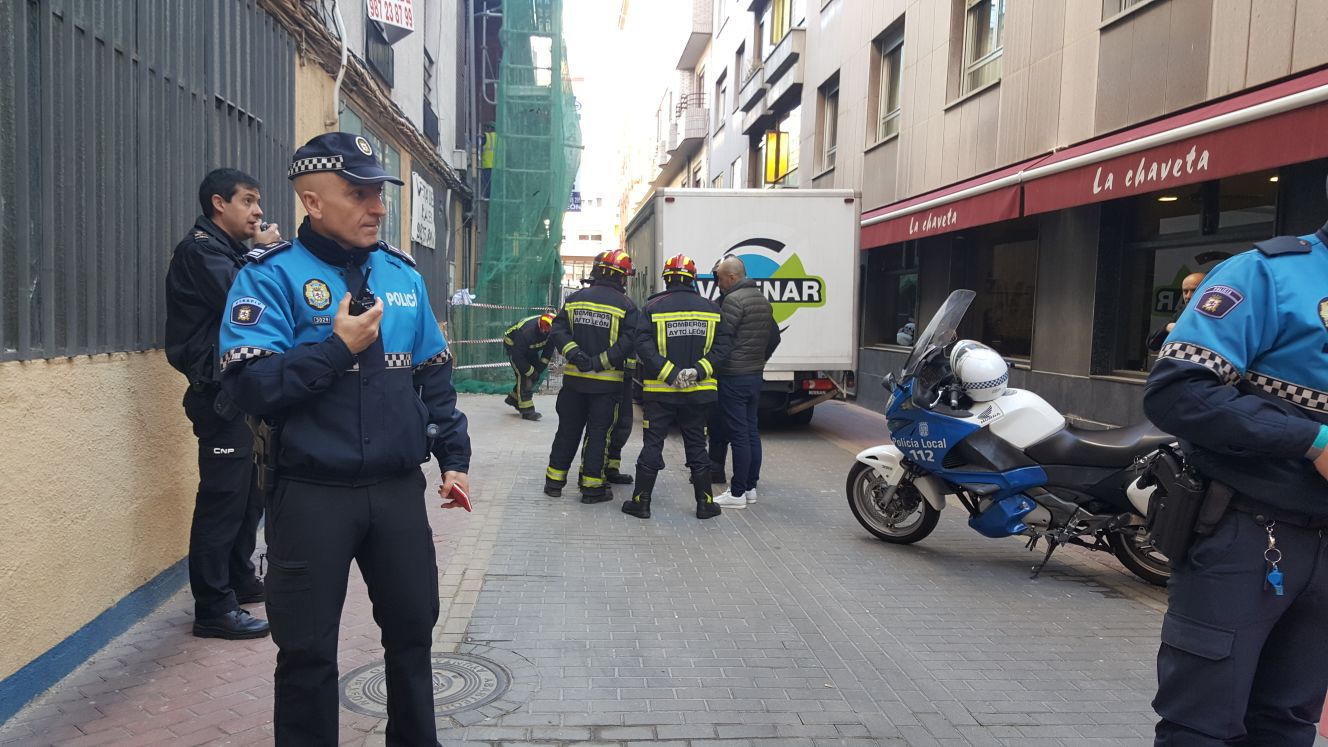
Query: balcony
<point>752,91</point>
<point>691,122</point>
<point>703,14</point>
<point>786,56</point>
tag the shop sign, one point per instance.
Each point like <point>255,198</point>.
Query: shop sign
<point>397,17</point>
<point>422,228</point>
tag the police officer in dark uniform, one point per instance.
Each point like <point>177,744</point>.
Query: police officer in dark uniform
<point>228,505</point>
<point>1243,382</point>
<point>528,349</point>
<point>679,347</point>
<point>594,330</point>
<point>332,340</point>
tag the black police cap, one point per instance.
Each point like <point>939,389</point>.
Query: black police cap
<point>346,155</point>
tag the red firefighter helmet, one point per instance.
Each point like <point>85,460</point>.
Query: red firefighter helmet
<point>546,321</point>
<point>614,261</point>
<point>680,265</point>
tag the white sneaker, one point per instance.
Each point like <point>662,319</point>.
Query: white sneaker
<point>750,495</point>
<point>729,500</point>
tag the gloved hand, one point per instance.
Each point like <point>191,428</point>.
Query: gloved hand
<point>581,359</point>
<point>686,378</point>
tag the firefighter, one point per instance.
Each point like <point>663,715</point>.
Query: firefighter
<point>527,346</point>
<point>679,350</point>
<point>595,332</point>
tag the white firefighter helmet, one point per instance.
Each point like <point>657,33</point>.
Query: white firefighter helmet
<point>981,371</point>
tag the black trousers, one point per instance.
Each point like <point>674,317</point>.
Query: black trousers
<point>227,508</point>
<point>313,533</point>
<point>622,426</point>
<point>582,412</point>
<point>656,420</point>
<point>1236,660</point>
<point>718,434</point>
<point>524,389</point>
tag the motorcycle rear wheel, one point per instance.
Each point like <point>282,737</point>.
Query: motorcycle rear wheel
<point>1133,547</point>
<point>918,518</point>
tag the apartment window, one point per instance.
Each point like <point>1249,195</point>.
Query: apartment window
<point>390,158</point>
<point>1167,235</point>
<point>742,71</point>
<point>890,300</point>
<point>780,150</point>
<point>717,182</point>
<point>888,59</point>
<point>378,52</point>
<point>984,32</point>
<point>1116,7</point>
<point>721,96</point>
<point>828,134</point>
<point>696,176</point>
<point>739,174</point>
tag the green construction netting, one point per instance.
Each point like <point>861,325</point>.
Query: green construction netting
<point>536,155</point>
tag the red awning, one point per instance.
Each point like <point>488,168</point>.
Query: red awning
<point>984,199</point>
<point>1221,139</point>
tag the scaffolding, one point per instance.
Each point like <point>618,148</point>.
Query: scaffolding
<point>537,151</point>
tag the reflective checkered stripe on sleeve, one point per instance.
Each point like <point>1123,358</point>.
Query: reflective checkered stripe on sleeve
<point>1191,353</point>
<point>440,359</point>
<point>244,353</point>
<point>1301,396</point>
<point>398,360</point>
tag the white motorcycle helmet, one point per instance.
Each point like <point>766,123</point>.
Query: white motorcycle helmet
<point>981,371</point>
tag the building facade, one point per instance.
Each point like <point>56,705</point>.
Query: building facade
<point>110,116</point>
<point>1070,162</point>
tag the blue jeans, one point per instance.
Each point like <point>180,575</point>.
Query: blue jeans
<point>739,396</point>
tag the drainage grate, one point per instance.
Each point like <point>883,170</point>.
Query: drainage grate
<point>461,682</point>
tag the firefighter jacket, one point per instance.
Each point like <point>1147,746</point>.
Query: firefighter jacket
<point>527,346</point>
<point>346,419</point>
<point>599,321</point>
<point>680,329</point>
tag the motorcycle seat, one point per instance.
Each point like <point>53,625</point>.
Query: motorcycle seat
<point>1112,447</point>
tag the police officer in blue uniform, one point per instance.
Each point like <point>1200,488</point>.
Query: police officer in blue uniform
<point>1243,382</point>
<point>332,339</point>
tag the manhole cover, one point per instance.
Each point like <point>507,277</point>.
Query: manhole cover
<point>461,682</point>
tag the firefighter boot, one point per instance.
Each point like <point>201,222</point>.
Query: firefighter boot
<point>553,488</point>
<point>595,493</point>
<point>617,478</point>
<point>705,501</point>
<point>639,505</point>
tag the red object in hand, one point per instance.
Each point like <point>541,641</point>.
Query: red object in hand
<point>458,496</point>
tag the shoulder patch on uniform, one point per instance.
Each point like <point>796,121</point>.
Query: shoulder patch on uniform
<point>263,252</point>
<point>1279,245</point>
<point>403,256</point>
<point>247,311</point>
<point>201,236</point>
<point>1218,301</point>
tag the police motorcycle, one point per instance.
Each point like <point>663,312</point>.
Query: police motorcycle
<point>1008,457</point>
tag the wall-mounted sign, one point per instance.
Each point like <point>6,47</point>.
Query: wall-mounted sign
<point>422,228</point>
<point>396,16</point>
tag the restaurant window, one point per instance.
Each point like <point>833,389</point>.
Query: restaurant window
<point>890,295</point>
<point>390,158</point>
<point>984,40</point>
<point>1166,236</point>
<point>1000,263</point>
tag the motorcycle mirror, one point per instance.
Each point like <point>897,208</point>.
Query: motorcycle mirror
<point>888,382</point>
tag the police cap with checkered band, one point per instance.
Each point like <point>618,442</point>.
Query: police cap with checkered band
<point>347,155</point>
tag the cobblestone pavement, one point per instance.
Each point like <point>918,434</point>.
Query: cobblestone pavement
<point>781,624</point>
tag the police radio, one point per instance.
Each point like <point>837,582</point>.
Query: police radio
<point>365,299</point>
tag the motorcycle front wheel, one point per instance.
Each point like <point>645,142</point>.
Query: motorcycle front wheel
<point>1133,547</point>
<point>905,519</point>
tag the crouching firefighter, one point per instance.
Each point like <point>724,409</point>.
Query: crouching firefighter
<point>595,330</point>
<point>678,349</point>
<point>1243,382</point>
<point>527,346</point>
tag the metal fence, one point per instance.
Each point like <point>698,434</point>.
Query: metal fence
<point>110,115</point>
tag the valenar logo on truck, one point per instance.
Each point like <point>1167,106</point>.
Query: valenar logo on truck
<point>781,278</point>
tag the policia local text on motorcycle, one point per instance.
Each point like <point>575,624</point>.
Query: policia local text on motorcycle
<point>595,333</point>
<point>1243,382</point>
<point>679,349</point>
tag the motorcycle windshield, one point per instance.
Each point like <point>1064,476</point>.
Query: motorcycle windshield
<point>941,330</point>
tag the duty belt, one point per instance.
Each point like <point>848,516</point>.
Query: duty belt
<point>1264,513</point>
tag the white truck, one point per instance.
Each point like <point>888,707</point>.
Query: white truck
<point>799,245</point>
